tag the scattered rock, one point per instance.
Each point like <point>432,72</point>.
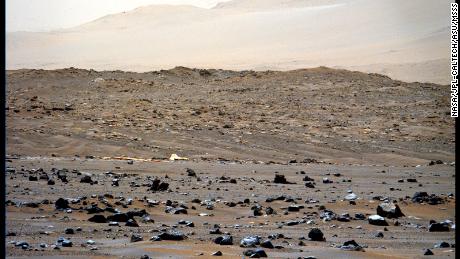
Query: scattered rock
<point>158,186</point>
<point>257,253</point>
<point>98,219</point>
<point>310,185</point>
<point>173,210</point>
<point>267,244</point>
<point>224,240</point>
<point>424,197</point>
<point>250,241</point>
<point>66,243</point>
<point>438,227</point>
<point>377,220</point>
<point>69,231</point>
<point>389,210</point>
<point>442,245</point>
<point>428,252</point>
<point>172,235</point>
<point>279,178</point>
<point>351,197</point>
<point>120,217</point>
<point>190,172</point>
<point>327,180</point>
<point>136,238</point>
<point>131,223</point>
<point>316,234</point>
<point>61,204</point>
<point>86,179</point>
<point>351,245</point>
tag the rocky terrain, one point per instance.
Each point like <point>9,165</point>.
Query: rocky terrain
<point>309,163</point>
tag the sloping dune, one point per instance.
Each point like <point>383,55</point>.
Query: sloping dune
<point>406,40</point>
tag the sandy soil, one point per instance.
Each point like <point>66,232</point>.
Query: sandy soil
<point>246,125</point>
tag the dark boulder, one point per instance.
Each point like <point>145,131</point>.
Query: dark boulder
<point>136,238</point>
<point>190,172</point>
<point>61,204</point>
<point>131,223</point>
<point>98,219</point>
<point>159,186</point>
<point>256,253</point>
<point>428,252</point>
<point>119,217</point>
<point>438,227</point>
<point>316,235</point>
<point>224,240</point>
<point>172,235</point>
<point>279,178</point>
<point>86,179</point>
<point>267,244</point>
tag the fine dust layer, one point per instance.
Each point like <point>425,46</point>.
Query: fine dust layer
<point>252,181</point>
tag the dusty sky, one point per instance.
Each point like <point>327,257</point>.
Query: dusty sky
<point>45,15</point>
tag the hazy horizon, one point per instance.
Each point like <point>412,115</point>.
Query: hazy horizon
<point>49,15</point>
<point>407,41</point>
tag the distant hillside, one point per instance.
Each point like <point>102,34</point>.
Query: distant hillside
<point>406,40</point>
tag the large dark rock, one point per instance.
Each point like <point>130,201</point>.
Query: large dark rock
<point>137,213</point>
<point>438,227</point>
<point>424,197</point>
<point>131,223</point>
<point>61,204</point>
<point>310,184</point>
<point>224,240</point>
<point>159,186</point>
<point>308,179</point>
<point>442,245</point>
<point>69,231</point>
<point>294,208</point>
<point>316,235</point>
<point>93,209</point>
<point>389,210</point>
<point>269,211</point>
<point>119,217</point>
<point>98,219</point>
<point>86,179</point>
<point>136,238</point>
<point>428,252</point>
<point>256,253</point>
<point>190,172</point>
<point>172,235</point>
<point>66,243</point>
<point>279,178</point>
<point>267,244</point>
